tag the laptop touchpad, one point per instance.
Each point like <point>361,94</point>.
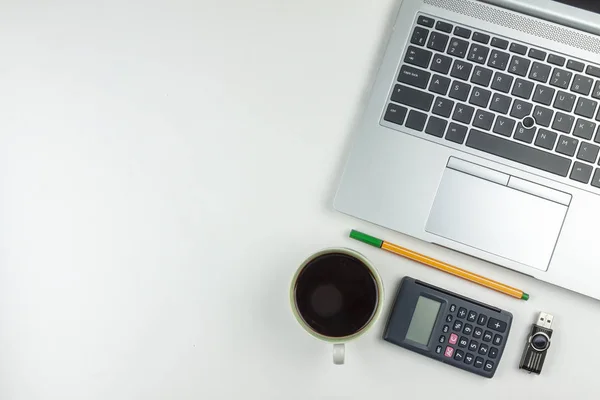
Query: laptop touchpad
<point>498,213</point>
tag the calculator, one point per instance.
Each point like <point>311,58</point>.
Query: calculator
<point>448,327</point>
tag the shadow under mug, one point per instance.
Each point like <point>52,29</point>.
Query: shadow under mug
<point>336,295</point>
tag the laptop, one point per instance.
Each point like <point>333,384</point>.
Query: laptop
<point>482,135</point>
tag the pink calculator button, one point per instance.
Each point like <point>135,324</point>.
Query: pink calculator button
<point>449,351</point>
<point>453,339</point>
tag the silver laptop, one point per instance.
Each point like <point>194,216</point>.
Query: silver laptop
<point>482,135</point>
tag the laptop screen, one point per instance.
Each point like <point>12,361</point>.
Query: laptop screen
<point>591,5</point>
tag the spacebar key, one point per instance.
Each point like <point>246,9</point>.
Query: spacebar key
<point>519,153</point>
<point>412,97</point>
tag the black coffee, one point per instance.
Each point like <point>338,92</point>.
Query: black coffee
<point>336,294</point>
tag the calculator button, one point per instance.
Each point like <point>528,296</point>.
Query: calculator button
<point>489,366</point>
<point>487,336</point>
<point>438,349</point>
<point>458,326</point>
<point>496,325</point>
<point>462,312</point>
<point>478,362</point>
<point>453,338</point>
<point>469,359</point>
<point>497,340</point>
<point>449,351</point>
<point>493,353</point>
<point>481,320</point>
<point>463,342</point>
<point>459,355</point>
<point>483,349</point>
<point>473,345</point>
<point>445,329</point>
<point>477,333</point>
<point>448,318</point>
<point>452,308</point>
<point>442,339</point>
<point>472,317</point>
<point>468,329</point>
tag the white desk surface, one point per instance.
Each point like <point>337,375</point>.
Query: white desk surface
<point>164,168</point>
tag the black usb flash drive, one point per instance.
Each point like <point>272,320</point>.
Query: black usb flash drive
<point>537,344</point>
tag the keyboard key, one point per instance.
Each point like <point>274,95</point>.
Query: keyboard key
<point>425,21</point>
<point>458,47</point>
<point>545,139</point>
<point>459,355</point>
<point>439,84</point>
<point>540,72</point>
<point>543,116</point>
<point>478,53</point>
<point>472,317</point>
<point>482,317</point>
<point>480,97</point>
<point>596,179</point>
<point>478,362</point>
<point>418,57</point>
<point>395,114</point>
<point>518,48</point>
<point>443,107</point>
<point>505,127</point>
<point>468,329</point>
<point>460,91</point>
<point>522,89</point>
<point>462,32</point>
<point>582,84</point>
<point>446,329</point>
<point>500,103</point>
<point>463,342</point>
<point>487,336</point>
<point>521,109</point>
<point>481,37</point>
<point>453,338</point>
<point>448,318</point>
<point>441,63</point>
<point>449,352</point>
<point>593,71</point>
<point>412,97</point>
<point>416,120</point>
<point>581,172</point>
<point>567,145</point>
<point>419,36</point>
<point>489,366</point>
<point>497,340</point>
<point>563,122</point>
<point>438,41</point>
<point>537,54</point>
<point>556,60</point>
<point>499,43</point>
<point>523,134</point>
<point>584,129</point>
<point>586,107</point>
<point>519,66</point>
<point>493,353</point>
<point>575,65</point>
<point>502,82</point>
<point>482,76</point>
<point>414,76</point>
<point>436,127</point>
<point>473,345</point>
<point>564,101</point>
<point>543,94</point>
<point>443,26</point>
<point>597,138</point>
<point>483,349</point>
<point>469,358</point>
<point>461,70</point>
<point>519,153</point>
<point>498,60</point>
<point>588,152</point>
<point>456,133</point>
<point>463,113</point>
<point>483,120</point>
<point>561,78</point>
<point>442,339</point>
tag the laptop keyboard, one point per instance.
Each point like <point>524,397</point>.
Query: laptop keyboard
<point>500,97</point>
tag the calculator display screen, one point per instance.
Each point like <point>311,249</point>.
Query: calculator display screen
<point>423,320</point>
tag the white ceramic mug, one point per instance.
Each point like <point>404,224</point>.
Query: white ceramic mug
<point>336,295</point>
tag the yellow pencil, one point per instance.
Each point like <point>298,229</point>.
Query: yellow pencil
<point>442,266</point>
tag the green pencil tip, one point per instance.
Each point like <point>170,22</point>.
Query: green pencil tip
<point>525,296</point>
<point>363,237</point>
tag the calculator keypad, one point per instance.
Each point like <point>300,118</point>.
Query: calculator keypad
<point>474,340</point>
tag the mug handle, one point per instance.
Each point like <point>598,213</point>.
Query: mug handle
<point>339,353</point>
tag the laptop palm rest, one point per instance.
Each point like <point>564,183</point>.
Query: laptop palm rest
<point>498,213</point>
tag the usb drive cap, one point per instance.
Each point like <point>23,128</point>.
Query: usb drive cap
<point>545,320</point>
